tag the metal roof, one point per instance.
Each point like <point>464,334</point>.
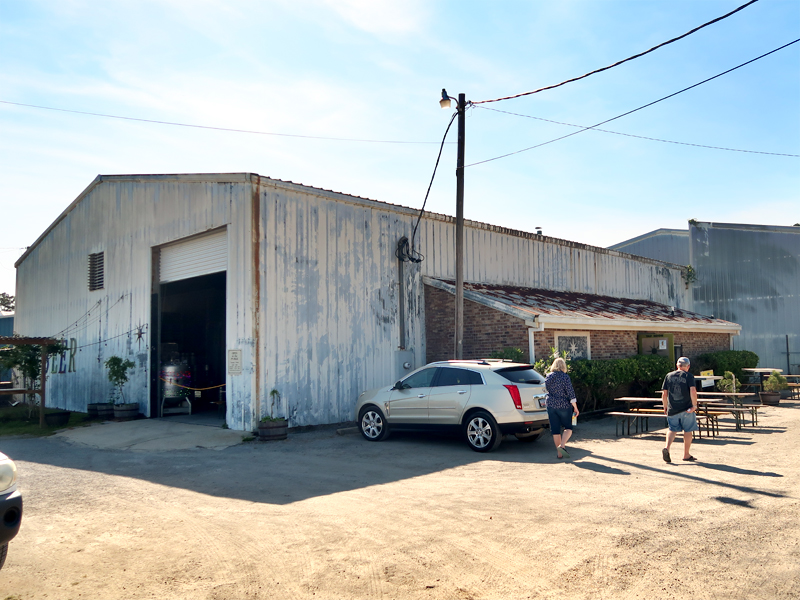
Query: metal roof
<point>555,306</point>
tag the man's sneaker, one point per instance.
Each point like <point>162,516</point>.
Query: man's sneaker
<point>665,455</point>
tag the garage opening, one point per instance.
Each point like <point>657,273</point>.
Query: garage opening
<point>189,312</point>
<point>193,345</point>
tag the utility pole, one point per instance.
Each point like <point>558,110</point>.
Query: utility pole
<point>459,333</point>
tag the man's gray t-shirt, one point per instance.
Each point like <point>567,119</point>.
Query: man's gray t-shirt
<point>678,383</point>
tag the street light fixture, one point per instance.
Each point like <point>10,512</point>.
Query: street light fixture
<point>459,328</point>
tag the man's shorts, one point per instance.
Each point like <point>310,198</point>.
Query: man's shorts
<point>683,421</point>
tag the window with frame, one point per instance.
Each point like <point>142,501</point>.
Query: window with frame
<point>96,271</point>
<point>576,343</point>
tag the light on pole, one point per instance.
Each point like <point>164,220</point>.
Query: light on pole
<point>459,328</point>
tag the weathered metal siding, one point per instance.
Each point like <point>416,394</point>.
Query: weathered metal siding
<point>329,301</point>
<point>750,274</point>
<point>6,329</point>
<point>126,217</point>
<point>312,286</point>
<point>671,245</point>
<point>498,256</point>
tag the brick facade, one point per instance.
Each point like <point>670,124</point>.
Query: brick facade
<point>487,330</point>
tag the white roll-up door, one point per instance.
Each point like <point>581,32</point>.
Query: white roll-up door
<point>197,256</point>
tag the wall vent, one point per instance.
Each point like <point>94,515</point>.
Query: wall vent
<point>96,271</point>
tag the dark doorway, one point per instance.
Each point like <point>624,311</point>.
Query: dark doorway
<point>192,341</point>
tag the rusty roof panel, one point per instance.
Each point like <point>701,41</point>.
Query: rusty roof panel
<point>573,304</point>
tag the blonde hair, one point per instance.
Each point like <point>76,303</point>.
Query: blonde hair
<point>559,364</point>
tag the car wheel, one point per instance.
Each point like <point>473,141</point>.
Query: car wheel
<point>481,432</point>
<point>528,437</point>
<point>3,552</point>
<point>372,424</point>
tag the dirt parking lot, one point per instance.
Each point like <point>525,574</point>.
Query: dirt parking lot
<point>328,516</point>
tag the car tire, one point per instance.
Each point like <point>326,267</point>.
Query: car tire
<point>481,432</point>
<point>3,553</point>
<point>528,438</point>
<point>372,424</point>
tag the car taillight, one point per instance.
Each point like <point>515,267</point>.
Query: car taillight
<point>514,391</point>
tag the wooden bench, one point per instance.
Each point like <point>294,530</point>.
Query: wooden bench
<point>642,415</point>
<point>623,418</point>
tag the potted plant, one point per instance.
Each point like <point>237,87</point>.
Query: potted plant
<point>772,389</point>
<point>273,428</point>
<point>118,376</point>
<point>728,383</point>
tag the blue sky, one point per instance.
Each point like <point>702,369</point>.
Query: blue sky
<point>370,69</point>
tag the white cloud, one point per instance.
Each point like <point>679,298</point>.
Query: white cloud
<point>382,16</point>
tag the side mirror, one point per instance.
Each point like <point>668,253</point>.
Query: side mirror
<point>398,386</point>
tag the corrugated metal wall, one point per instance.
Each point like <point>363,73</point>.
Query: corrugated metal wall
<point>750,274</point>
<point>329,293</point>
<point>670,245</point>
<point>312,285</point>
<point>126,217</point>
<point>6,328</point>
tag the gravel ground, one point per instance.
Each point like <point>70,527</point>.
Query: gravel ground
<point>328,516</point>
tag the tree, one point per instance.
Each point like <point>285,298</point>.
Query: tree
<point>7,302</point>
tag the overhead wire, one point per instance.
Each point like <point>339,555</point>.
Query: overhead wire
<point>619,62</point>
<point>635,109</point>
<point>412,254</point>
<point>641,137</point>
<point>228,129</point>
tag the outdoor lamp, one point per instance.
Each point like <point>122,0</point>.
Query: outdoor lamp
<point>445,101</point>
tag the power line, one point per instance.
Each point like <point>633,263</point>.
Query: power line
<point>290,135</point>
<point>635,109</point>
<point>616,64</point>
<point>641,137</point>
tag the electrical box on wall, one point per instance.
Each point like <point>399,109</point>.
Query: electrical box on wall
<point>403,363</point>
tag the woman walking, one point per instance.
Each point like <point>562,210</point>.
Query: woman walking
<point>561,405</point>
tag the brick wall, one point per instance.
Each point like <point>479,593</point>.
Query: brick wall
<point>487,330</point>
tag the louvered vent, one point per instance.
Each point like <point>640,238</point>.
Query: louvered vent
<point>96,271</point>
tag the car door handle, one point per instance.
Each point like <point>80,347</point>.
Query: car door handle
<point>421,396</point>
<point>462,391</point>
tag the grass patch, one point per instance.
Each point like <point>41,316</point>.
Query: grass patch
<point>20,420</point>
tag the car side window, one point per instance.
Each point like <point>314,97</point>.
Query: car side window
<point>419,380</point>
<point>450,376</point>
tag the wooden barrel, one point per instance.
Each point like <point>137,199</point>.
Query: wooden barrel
<point>91,409</point>
<point>105,411</point>
<point>126,412</point>
<point>57,419</point>
<point>273,430</point>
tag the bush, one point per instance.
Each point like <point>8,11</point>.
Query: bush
<point>727,383</point>
<point>512,354</point>
<point>775,383</point>
<point>726,360</point>
<point>598,382</point>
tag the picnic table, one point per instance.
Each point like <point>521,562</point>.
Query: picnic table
<point>638,415</point>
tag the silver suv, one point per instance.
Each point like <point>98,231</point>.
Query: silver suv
<point>483,399</point>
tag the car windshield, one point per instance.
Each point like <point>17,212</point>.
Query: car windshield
<point>521,374</point>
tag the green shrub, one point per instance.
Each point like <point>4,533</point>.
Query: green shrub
<point>775,383</point>
<point>512,354</point>
<point>598,382</point>
<point>726,360</point>
<point>727,385</point>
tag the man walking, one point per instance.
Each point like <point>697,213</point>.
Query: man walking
<point>679,396</point>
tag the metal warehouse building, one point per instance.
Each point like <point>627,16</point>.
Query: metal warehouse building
<point>749,274</point>
<point>247,284</point>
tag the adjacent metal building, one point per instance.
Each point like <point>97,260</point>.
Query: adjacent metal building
<point>289,297</point>
<point>749,274</point>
